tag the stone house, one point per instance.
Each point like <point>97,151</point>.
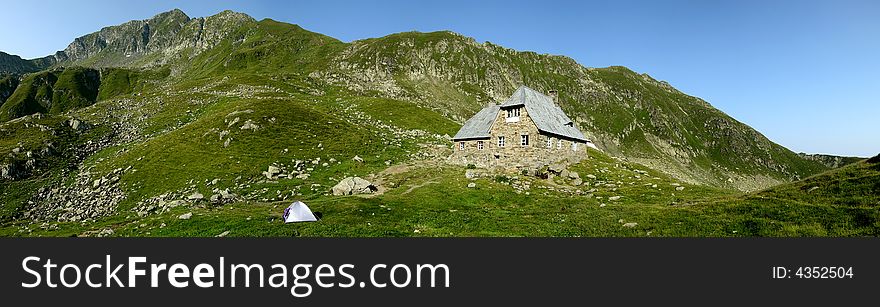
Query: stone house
<point>526,130</point>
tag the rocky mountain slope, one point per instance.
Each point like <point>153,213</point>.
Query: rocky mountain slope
<point>152,42</point>
<point>830,160</point>
<point>13,64</point>
<point>151,114</point>
<point>625,113</point>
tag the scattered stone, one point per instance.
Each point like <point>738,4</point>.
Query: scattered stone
<point>223,234</point>
<point>472,185</point>
<point>591,176</point>
<point>249,125</point>
<point>573,175</point>
<point>812,189</point>
<point>613,198</point>
<point>630,225</point>
<point>105,232</point>
<point>679,188</point>
<point>185,216</point>
<point>602,205</point>
<point>358,159</point>
<point>577,182</point>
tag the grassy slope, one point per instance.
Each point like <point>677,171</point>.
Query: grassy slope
<point>840,202</point>
<point>31,96</point>
<point>435,202</point>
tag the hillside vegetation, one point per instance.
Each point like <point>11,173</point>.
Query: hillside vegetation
<point>230,119</point>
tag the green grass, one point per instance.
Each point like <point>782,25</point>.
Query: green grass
<point>436,202</point>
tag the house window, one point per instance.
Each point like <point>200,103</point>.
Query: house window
<point>524,140</point>
<point>549,142</point>
<point>480,145</point>
<point>460,145</point>
<point>500,141</point>
<point>559,144</point>
<point>512,115</point>
<point>574,146</point>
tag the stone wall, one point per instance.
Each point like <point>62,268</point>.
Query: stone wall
<point>515,156</point>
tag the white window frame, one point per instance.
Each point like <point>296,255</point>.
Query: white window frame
<point>549,142</point>
<point>574,146</point>
<point>559,144</point>
<point>512,115</point>
<point>500,141</point>
<point>461,145</point>
<point>524,140</point>
<point>479,145</point>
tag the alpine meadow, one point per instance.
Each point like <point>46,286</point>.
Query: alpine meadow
<point>179,126</point>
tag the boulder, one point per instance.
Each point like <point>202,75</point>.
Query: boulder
<point>353,185</point>
<point>472,185</point>
<point>556,168</point>
<point>185,216</point>
<point>630,225</point>
<point>577,182</point>
<point>591,176</point>
<point>613,198</point>
<point>564,173</point>
<point>679,188</point>
<point>196,196</point>
<point>7,171</point>
<point>573,175</point>
<point>272,172</point>
<point>77,125</point>
<point>358,159</point>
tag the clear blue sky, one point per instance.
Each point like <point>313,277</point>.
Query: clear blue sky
<point>804,73</point>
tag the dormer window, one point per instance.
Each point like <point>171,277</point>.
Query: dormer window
<point>513,115</point>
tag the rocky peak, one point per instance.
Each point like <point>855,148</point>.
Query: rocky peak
<point>167,33</point>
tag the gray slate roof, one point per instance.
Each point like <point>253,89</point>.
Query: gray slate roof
<point>478,126</point>
<point>541,109</point>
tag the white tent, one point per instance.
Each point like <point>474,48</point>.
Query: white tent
<point>298,212</point>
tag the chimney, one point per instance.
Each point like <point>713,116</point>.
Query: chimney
<point>555,95</point>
